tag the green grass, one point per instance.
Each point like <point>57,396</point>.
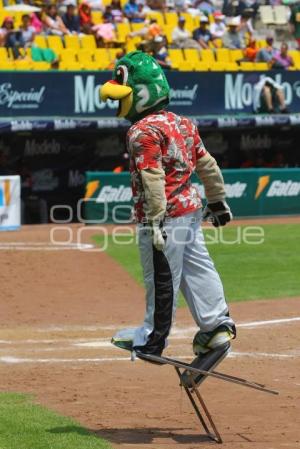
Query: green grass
<point>25,425</point>
<point>248,271</point>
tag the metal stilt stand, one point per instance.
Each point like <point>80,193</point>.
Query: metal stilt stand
<point>214,434</point>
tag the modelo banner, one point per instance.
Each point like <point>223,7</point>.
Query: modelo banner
<point>76,94</point>
<point>250,192</point>
<point>10,203</point>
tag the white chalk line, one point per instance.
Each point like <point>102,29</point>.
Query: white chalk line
<point>44,246</point>
<point>22,360</point>
<point>176,331</point>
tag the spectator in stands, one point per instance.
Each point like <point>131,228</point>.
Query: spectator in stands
<point>28,31</point>
<point>218,27</point>
<point>281,59</point>
<point>250,51</point>
<point>232,38</point>
<point>205,6</point>
<point>230,8</point>
<point>156,5</point>
<point>181,37</point>
<point>11,38</point>
<point>36,22</point>
<point>245,27</point>
<point>202,34</point>
<point>295,23</point>
<point>105,32</point>
<point>134,12</point>
<point>53,23</point>
<point>71,20</point>
<point>160,52</point>
<point>267,53</point>
<point>116,11</point>
<point>85,17</point>
<point>96,5</point>
<point>268,97</point>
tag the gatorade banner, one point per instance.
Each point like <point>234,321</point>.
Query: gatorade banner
<point>10,203</point>
<point>250,193</point>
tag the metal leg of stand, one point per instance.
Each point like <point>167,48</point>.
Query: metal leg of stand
<point>213,436</point>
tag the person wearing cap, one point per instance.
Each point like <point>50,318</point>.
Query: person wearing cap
<point>232,38</point>
<point>182,38</point>
<point>160,53</point>
<point>202,34</point>
<point>266,54</point>
<point>218,27</point>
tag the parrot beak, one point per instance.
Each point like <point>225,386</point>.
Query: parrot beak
<point>114,91</point>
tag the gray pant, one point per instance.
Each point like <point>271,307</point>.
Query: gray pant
<point>183,265</point>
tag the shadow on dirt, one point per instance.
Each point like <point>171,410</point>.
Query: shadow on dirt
<point>138,436</point>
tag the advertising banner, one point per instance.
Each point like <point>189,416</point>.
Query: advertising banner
<point>10,203</point>
<point>250,192</point>
<point>71,95</point>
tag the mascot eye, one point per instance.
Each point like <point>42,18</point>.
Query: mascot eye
<point>122,74</point>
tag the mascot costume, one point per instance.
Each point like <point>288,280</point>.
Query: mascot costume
<point>165,150</point>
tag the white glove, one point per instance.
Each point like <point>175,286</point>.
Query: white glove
<point>158,236</point>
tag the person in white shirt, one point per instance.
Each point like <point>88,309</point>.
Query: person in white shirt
<point>182,38</point>
<point>218,27</point>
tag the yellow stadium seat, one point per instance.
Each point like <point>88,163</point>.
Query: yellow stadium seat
<point>189,21</point>
<point>201,66</point>
<point>90,65</point>
<point>156,15</point>
<point>102,58</point>
<point>41,65</point>
<point>56,43</point>
<point>261,66</point>
<point>72,41</point>
<point>186,66</point>
<point>171,19</point>
<point>222,55</point>
<point>112,53</point>
<point>232,67</point>
<point>68,55</point>
<point>247,66</point>
<point>84,55</point>
<point>207,55</point>
<point>192,55</point>
<point>217,66</point>
<point>261,43</point>
<point>137,26</point>
<point>40,41</point>
<point>123,29</point>
<point>295,55</point>
<point>176,55</point>
<point>70,65</point>
<point>88,42</point>
<point>131,44</point>
<point>7,65</point>
<point>23,64</point>
<point>235,55</point>
<point>3,55</point>
<point>168,30</point>
<point>96,17</point>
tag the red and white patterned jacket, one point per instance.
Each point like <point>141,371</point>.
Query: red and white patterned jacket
<point>171,142</point>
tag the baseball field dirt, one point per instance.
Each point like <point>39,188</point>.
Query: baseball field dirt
<point>59,308</point>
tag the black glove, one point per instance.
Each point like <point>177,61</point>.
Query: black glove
<point>219,213</point>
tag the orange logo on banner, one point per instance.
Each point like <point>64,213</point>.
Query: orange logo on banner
<point>91,188</point>
<point>262,183</point>
<point>7,192</point>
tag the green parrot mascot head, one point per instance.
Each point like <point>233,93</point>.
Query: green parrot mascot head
<point>139,84</point>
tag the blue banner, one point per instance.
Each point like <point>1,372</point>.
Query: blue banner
<point>57,95</point>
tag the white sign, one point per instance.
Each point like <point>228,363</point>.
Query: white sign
<point>10,203</point>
